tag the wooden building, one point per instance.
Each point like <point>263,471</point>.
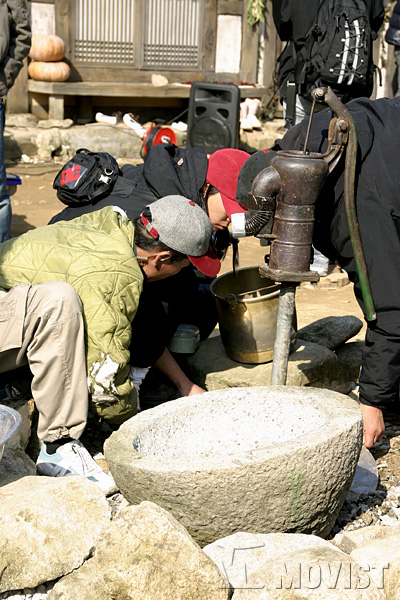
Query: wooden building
<point>116,48</point>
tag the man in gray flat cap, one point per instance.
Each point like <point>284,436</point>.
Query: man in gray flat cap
<point>69,292</point>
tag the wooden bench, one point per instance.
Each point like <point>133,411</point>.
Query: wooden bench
<point>56,92</point>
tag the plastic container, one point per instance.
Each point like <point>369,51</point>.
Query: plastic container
<point>10,420</point>
<point>186,339</point>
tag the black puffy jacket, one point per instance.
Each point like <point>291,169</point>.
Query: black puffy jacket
<point>378,210</point>
<point>393,33</point>
<point>166,170</point>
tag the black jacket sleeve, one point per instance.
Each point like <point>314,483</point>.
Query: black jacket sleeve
<point>376,17</point>
<point>393,32</point>
<point>378,212</point>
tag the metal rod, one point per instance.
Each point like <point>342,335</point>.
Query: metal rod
<point>284,323</point>
<point>350,207</point>
<point>309,126</point>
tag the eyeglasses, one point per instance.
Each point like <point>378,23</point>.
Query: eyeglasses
<point>147,258</point>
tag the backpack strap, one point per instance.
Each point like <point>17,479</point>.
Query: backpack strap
<point>291,93</point>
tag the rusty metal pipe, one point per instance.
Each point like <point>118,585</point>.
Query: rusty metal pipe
<point>349,198</point>
<point>284,323</point>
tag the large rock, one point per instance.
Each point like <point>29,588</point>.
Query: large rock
<point>121,141</point>
<point>48,527</point>
<point>251,141</point>
<point>290,566</point>
<point>145,554</point>
<point>20,140</point>
<point>260,459</point>
<point>382,558</point>
<point>15,462</point>
<point>331,331</point>
<point>349,357</point>
<point>314,574</point>
<point>309,365</point>
<point>21,120</point>
<point>15,465</point>
<point>347,541</point>
<point>48,143</point>
<point>242,554</point>
<point>45,143</point>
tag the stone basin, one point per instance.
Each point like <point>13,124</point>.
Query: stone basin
<point>259,460</point>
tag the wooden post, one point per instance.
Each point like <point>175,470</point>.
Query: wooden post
<point>56,106</point>
<point>17,97</point>
<point>250,44</point>
<point>272,49</point>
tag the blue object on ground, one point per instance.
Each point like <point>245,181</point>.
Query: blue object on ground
<point>12,179</point>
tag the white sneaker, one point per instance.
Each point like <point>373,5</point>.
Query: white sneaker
<point>180,126</point>
<point>254,122</point>
<point>245,124</point>
<point>100,118</point>
<point>133,124</point>
<point>73,459</point>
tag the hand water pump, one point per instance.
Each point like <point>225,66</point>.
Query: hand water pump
<point>281,212</point>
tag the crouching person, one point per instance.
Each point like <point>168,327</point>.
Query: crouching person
<point>42,326</point>
<point>98,254</point>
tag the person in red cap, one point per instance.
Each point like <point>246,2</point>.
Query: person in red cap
<point>220,186</point>
<point>210,182</point>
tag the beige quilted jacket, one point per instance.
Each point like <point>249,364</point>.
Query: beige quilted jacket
<point>94,253</point>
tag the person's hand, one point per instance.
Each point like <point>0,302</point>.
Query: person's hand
<point>373,425</point>
<point>168,365</point>
<point>190,389</point>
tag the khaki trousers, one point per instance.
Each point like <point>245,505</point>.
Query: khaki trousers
<point>42,326</point>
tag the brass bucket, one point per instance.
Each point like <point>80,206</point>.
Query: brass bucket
<point>247,308</point>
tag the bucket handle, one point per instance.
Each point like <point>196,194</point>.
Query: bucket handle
<point>258,291</point>
<point>234,303</point>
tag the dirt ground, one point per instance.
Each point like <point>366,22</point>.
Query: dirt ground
<point>35,202</point>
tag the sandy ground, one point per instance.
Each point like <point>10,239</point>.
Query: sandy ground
<point>35,202</point>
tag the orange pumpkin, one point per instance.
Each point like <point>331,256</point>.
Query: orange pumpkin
<point>48,71</point>
<point>47,48</point>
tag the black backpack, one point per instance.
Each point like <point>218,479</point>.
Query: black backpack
<point>86,177</point>
<point>337,51</point>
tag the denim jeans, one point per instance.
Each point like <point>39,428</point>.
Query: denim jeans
<point>5,203</point>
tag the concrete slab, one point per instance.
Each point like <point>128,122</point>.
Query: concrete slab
<point>309,365</point>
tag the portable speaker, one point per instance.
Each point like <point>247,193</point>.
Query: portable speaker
<point>213,120</point>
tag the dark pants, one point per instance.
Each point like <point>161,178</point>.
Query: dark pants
<point>183,298</point>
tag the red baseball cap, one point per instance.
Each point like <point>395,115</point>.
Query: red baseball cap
<point>223,171</point>
<point>208,264</point>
